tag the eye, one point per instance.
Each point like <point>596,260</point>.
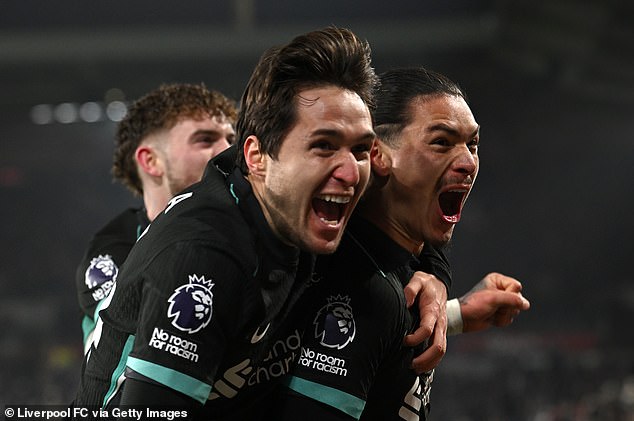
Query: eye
<point>473,145</point>
<point>362,151</point>
<point>362,147</point>
<point>205,139</point>
<point>440,141</point>
<point>322,145</point>
<point>211,139</point>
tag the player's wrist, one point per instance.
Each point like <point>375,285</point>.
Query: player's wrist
<point>455,324</point>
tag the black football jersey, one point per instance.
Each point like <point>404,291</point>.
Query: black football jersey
<point>102,260</point>
<point>202,305</point>
<point>353,364</point>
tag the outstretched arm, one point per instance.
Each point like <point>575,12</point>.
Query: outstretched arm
<point>494,301</point>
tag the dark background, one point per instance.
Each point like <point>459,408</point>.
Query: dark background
<point>551,83</point>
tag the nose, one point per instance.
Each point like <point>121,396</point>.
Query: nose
<point>466,162</point>
<point>347,170</point>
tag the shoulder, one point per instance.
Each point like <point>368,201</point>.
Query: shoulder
<point>122,225</point>
<point>199,225</point>
<point>108,249</point>
<point>113,241</point>
<point>203,214</point>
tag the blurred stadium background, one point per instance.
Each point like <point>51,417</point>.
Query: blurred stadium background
<point>551,83</point>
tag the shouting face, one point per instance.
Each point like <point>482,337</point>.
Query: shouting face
<point>432,166</point>
<point>309,190</point>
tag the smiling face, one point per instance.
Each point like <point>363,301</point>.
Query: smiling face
<point>309,190</point>
<point>431,169</point>
<point>189,145</point>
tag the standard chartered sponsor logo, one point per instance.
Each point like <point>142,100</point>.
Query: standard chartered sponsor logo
<point>174,345</point>
<point>323,362</point>
<point>277,363</point>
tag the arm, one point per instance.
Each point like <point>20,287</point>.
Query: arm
<point>181,333</point>
<point>94,279</point>
<point>432,301</point>
<point>494,301</point>
<point>100,264</point>
<point>430,285</point>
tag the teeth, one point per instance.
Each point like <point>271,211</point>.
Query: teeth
<point>451,219</point>
<point>329,223</point>
<point>334,198</point>
<point>457,191</point>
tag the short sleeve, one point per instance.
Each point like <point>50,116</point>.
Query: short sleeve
<point>187,316</point>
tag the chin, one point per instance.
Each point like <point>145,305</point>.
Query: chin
<point>324,246</point>
<point>446,238</point>
<point>441,239</point>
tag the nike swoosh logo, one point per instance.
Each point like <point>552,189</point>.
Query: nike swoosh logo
<point>257,336</point>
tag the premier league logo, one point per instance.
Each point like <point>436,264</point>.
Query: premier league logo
<point>334,323</point>
<point>191,304</point>
<point>102,269</point>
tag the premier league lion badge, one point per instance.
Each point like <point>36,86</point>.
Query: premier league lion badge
<point>101,269</point>
<point>334,323</point>
<point>100,276</point>
<point>191,304</point>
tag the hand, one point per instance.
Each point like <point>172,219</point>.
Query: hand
<point>432,302</point>
<point>494,301</point>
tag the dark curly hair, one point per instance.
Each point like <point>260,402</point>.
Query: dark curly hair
<point>161,109</point>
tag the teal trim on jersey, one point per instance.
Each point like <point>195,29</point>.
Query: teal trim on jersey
<point>180,382</point>
<point>95,315</point>
<point>233,193</point>
<point>343,401</point>
<point>138,231</point>
<point>118,371</point>
<point>87,326</point>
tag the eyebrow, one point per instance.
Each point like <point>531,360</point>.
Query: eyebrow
<point>335,133</point>
<point>445,128</point>
<point>208,132</point>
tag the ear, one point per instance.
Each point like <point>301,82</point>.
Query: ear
<point>380,158</point>
<point>253,156</point>
<point>148,160</point>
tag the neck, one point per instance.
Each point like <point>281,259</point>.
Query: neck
<point>257,187</point>
<point>155,200</point>
<point>377,210</point>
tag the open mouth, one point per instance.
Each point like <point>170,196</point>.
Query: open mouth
<point>451,204</point>
<point>330,209</point>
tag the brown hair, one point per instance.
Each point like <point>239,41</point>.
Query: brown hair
<point>158,110</point>
<point>330,56</point>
